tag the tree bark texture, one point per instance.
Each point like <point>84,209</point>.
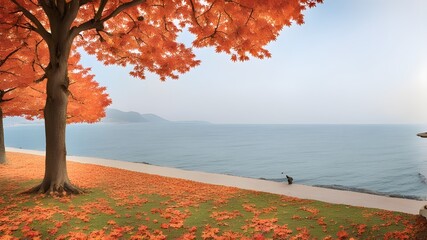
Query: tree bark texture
<point>56,179</point>
<point>55,114</point>
<point>2,147</point>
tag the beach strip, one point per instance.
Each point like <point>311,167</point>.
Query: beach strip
<point>295,190</point>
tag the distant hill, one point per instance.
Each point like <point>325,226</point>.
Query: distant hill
<point>154,118</point>
<point>19,121</point>
<point>112,116</point>
<point>117,116</point>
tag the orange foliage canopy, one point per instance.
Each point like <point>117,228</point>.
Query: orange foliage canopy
<point>144,33</point>
<point>23,58</point>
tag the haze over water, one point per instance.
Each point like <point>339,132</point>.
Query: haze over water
<point>386,159</point>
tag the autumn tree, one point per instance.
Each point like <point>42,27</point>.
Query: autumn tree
<point>142,33</point>
<point>17,59</point>
<point>22,91</point>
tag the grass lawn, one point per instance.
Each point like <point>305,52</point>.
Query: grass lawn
<point>129,205</point>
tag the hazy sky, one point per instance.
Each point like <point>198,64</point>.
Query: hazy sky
<point>353,61</point>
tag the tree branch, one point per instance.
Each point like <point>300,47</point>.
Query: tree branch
<point>250,16</point>
<point>243,6</point>
<point>37,90</point>
<point>39,27</point>
<point>40,79</point>
<point>3,92</point>
<point>99,24</point>
<point>47,8</point>
<point>72,96</point>
<point>193,8</point>
<point>7,72</point>
<point>71,14</point>
<point>36,52</point>
<point>9,90</point>
<point>133,20</point>
<point>215,30</point>
<point>207,10</point>
<point>9,55</point>
<point>123,7</point>
<point>6,100</point>
<point>228,15</point>
<point>98,14</point>
<point>83,2</point>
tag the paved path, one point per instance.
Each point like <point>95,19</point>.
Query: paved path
<point>294,190</point>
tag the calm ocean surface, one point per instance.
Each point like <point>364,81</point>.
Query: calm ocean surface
<point>386,159</point>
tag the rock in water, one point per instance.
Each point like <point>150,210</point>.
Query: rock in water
<point>423,135</point>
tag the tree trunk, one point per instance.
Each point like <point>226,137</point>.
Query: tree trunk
<point>2,147</point>
<point>56,179</point>
<point>59,42</point>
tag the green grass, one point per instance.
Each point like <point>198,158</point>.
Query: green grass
<point>97,209</point>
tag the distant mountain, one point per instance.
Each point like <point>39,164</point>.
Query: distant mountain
<point>19,121</point>
<point>112,116</point>
<point>117,116</point>
<point>153,118</point>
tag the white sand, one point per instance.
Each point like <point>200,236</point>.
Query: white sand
<point>294,190</point>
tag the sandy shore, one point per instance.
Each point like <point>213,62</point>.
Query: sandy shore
<point>294,190</point>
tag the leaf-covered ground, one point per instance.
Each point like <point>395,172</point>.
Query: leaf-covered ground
<point>129,205</point>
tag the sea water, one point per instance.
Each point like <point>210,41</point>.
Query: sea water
<point>382,159</point>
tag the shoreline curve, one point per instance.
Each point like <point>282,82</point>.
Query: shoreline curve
<point>328,195</point>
